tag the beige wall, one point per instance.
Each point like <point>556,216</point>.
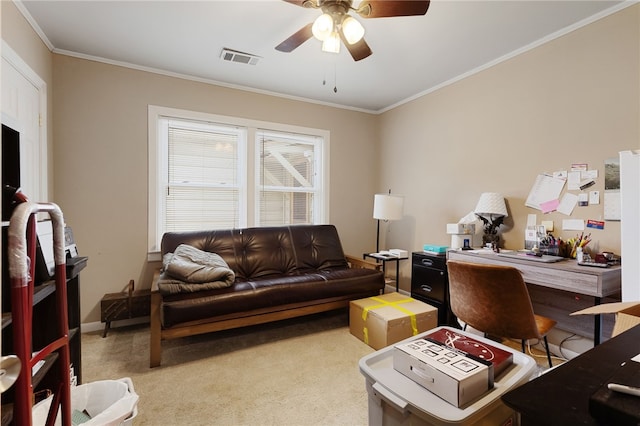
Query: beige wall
<point>101,161</point>
<point>572,100</point>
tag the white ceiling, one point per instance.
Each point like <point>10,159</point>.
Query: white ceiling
<point>411,55</point>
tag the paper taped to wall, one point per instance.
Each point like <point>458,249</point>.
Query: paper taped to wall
<point>573,225</point>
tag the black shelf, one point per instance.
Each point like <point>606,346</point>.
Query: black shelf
<point>44,332</point>
<point>41,374</point>
<point>49,362</point>
<point>40,293</point>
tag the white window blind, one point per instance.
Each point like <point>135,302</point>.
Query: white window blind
<point>204,168</point>
<point>204,175</point>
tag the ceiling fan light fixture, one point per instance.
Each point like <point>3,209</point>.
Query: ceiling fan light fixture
<point>332,43</point>
<point>352,29</point>
<point>322,27</point>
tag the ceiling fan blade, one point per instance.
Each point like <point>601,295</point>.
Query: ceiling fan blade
<point>358,50</point>
<point>299,37</point>
<point>389,8</point>
<point>303,3</point>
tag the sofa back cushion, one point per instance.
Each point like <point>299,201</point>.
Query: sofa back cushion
<point>254,253</point>
<point>317,247</point>
<point>263,252</point>
<point>220,242</point>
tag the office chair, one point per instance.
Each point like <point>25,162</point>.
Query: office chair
<point>494,300</point>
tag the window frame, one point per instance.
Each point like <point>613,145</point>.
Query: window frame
<point>317,189</point>
<point>157,152</point>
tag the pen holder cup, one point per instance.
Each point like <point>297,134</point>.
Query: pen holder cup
<point>564,249</point>
<point>550,249</point>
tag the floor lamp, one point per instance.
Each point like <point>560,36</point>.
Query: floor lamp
<point>386,207</point>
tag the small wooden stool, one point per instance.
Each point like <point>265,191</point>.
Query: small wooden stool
<point>125,305</point>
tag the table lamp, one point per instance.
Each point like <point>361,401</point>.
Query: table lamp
<point>387,207</point>
<point>492,210</point>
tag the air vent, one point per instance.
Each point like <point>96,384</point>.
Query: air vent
<point>240,57</point>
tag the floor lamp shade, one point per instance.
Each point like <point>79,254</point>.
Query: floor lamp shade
<point>388,207</point>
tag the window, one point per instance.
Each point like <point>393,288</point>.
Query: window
<point>215,172</point>
<point>289,190</point>
<point>204,175</point>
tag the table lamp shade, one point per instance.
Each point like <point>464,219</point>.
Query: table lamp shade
<point>491,204</point>
<point>388,207</point>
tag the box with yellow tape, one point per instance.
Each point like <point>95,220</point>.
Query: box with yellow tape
<point>383,320</point>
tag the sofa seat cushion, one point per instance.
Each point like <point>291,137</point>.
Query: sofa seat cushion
<point>268,292</point>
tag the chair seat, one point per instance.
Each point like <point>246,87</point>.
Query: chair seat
<point>544,324</point>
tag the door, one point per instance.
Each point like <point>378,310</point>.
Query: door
<point>23,109</point>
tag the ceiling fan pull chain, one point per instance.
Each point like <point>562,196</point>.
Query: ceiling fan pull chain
<point>335,79</point>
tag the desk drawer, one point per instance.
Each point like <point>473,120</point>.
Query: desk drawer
<point>564,275</point>
<point>429,277</point>
<point>429,261</point>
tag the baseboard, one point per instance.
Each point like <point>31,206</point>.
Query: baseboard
<point>392,289</point>
<point>562,344</point>
<point>90,327</point>
<point>572,345</point>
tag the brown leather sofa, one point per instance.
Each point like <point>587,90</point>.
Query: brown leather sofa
<point>280,272</point>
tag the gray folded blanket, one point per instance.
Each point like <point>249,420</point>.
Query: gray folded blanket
<point>189,269</point>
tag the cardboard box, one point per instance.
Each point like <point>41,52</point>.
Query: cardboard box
<point>501,359</point>
<point>627,314</point>
<point>383,320</point>
<point>454,376</point>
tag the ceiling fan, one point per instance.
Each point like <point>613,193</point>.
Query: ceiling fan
<point>335,24</point>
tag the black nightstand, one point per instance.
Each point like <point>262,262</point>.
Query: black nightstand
<point>384,259</point>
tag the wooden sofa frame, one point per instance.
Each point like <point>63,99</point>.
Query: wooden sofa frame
<point>240,319</point>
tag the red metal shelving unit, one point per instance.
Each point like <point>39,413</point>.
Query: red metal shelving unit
<point>22,241</point>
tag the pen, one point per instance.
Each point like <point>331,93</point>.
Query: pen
<point>629,390</point>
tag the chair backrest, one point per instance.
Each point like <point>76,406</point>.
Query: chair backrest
<point>492,299</point>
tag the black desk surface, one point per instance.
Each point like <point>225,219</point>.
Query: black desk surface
<point>561,396</point>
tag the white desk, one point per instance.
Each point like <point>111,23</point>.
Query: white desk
<point>565,275</point>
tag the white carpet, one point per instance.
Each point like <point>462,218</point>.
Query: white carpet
<point>302,371</point>
<point>296,372</point>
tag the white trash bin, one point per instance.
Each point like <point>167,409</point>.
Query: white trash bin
<point>396,400</point>
<point>107,402</point>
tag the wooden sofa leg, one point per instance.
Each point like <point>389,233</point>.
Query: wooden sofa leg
<point>155,344</point>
